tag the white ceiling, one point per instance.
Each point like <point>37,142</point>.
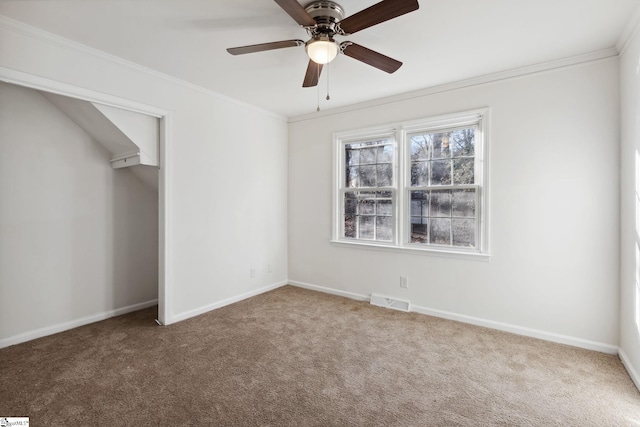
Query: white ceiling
<point>444,41</point>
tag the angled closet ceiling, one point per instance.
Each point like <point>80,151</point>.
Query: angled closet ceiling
<point>131,138</point>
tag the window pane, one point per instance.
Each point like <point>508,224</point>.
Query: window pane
<point>440,231</point>
<point>366,227</point>
<point>441,146</point>
<point>463,172</point>
<point>419,208</point>
<point>419,214</point>
<point>350,226</point>
<point>464,203</point>
<point>367,156</point>
<point>352,157</point>
<point>366,207</point>
<point>384,228</point>
<point>351,177</point>
<point>441,203</point>
<point>464,232</point>
<point>441,172</point>
<point>463,142</point>
<point>419,173</point>
<point>419,203</point>
<point>385,154</point>
<point>384,174</point>
<point>350,204</point>
<point>367,176</point>
<point>419,228</point>
<point>419,147</point>
<point>384,207</point>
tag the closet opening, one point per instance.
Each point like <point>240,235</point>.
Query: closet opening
<point>83,216</point>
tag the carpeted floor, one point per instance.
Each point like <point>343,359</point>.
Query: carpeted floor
<point>293,357</point>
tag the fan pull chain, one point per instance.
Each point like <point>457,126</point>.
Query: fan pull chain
<point>318,86</point>
<point>328,97</point>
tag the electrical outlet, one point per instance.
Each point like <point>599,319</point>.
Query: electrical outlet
<point>404,282</point>
<point>252,273</point>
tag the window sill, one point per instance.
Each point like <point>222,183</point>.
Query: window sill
<point>475,256</point>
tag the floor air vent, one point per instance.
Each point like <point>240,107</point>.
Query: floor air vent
<point>388,302</point>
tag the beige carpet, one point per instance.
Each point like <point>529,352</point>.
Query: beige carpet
<point>293,357</point>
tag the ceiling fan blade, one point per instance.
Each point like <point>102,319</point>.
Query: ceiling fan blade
<point>380,12</point>
<point>297,12</point>
<point>368,56</point>
<point>312,75</point>
<point>264,46</point>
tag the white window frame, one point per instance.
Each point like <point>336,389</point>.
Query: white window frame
<point>339,154</point>
<point>400,132</point>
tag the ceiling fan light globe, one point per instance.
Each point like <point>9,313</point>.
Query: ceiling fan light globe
<point>322,51</point>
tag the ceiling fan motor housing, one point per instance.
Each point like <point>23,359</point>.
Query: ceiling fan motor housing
<point>326,14</point>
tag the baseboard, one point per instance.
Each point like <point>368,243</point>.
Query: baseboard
<point>629,367</point>
<point>514,329</point>
<point>61,327</point>
<point>204,309</point>
<point>519,330</point>
<point>358,297</point>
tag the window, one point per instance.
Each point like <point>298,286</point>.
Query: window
<point>415,186</point>
<point>368,190</point>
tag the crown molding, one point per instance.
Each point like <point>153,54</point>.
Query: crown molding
<point>39,34</point>
<point>541,67</point>
<point>18,27</point>
<point>629,31</point>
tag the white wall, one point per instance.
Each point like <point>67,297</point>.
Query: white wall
<point>228,169</point>
<point>554,198</point>
<point>77,238</point>
<point>630,209</point>
<point>554,194</point>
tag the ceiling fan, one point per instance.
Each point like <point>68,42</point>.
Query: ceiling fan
<point>323,19</point>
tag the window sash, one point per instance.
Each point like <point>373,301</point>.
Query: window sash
<point>423,166</point>
<point>354,213</point>
<point>451,216</point>
<point>379,165</point>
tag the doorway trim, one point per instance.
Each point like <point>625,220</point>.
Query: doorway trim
<point>164,173</point>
